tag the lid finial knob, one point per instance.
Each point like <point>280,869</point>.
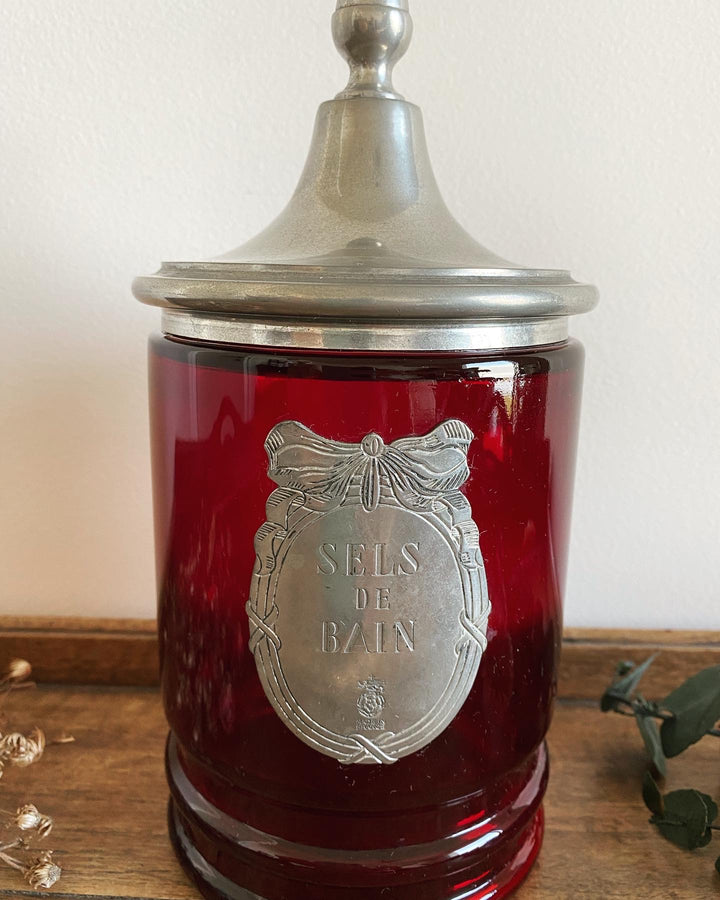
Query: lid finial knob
<point>372,35</point>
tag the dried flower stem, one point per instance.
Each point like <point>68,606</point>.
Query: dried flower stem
<point>22,750</point>
<point>12,845</point>
<point>11,861</point>
<point>6,687</point>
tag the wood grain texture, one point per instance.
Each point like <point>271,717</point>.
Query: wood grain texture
<point>107,794</point>
<point>589,657</point>
<point>124,652</point>
<point>83,651</point>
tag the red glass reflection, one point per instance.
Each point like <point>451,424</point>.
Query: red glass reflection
<point>468,803</point>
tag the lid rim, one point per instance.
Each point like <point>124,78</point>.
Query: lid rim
<point>376,301</point>
<point>347,335</point>
<point>288,273</point>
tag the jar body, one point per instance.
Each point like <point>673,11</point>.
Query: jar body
<point>257,808</point>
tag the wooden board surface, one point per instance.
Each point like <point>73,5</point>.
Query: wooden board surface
<point>124,652</point>
<point>69,650</point>
<point>107,795</point>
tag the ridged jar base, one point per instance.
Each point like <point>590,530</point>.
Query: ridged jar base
<point>487,857</point>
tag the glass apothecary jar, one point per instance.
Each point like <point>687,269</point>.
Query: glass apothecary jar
<point>363,433</point>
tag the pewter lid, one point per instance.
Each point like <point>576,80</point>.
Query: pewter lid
<point>366,255</point>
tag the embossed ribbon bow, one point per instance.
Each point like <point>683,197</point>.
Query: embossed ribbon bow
<point>418,469</point>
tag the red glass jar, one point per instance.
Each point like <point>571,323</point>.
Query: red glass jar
<point>462,817</point>
<point>363,433</point>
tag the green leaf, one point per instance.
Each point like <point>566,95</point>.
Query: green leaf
<point>652,796</point>
<point>651,736</point>
<point>624,686</point>
<point>684,819</point>
<point>681,834</point>
<point>695,706</point>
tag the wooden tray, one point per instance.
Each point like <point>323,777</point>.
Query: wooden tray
<point>107,791</point>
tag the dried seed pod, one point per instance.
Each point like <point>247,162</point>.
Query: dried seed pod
<point>43,873</point>
<point>19,750</point>
<point>29,818</point>
<point>18,670</point>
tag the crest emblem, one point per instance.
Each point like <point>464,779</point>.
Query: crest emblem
<point>369,561</point>
<point>371,701</point>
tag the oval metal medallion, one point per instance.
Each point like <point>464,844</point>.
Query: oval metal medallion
<point>369,605</point>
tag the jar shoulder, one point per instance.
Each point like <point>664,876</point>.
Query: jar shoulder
<point>333,365</point>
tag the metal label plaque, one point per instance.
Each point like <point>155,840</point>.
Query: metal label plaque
<point>368,606</point>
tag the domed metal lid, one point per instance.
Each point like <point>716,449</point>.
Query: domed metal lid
<point>366,255</point>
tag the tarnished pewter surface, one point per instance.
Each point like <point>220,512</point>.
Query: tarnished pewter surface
<point>367,238</point>
<point>346,334</point>
<point>369,605</point>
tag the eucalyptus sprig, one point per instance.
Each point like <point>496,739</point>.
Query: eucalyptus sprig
<point>686,715</point>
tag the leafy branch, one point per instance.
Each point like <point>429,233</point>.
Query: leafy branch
<point>689,713</point>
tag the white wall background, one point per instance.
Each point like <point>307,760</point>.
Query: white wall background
<point>564,132</point>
